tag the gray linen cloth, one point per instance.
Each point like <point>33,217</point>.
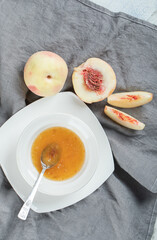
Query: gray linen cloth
<point>123,208</point>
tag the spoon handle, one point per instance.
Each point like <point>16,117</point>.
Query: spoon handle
<point>27,205</point>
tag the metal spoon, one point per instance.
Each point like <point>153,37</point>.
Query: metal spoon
<point>49,157</point>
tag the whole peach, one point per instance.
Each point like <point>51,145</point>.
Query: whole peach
<point>45,73</point>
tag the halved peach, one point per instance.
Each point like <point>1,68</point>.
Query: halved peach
<point>123,118</point>
<point>130,99</point>
<point>94,80</point>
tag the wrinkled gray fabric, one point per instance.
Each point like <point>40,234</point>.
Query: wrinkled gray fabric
<point>124,207</point>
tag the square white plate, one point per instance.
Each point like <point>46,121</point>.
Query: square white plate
<point>64,102</point>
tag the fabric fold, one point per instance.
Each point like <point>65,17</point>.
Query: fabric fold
<point>123,207</point>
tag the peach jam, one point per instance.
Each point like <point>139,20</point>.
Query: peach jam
<point>72,152</point>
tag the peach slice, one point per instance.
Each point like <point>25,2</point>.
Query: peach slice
<point>123,118</point>
<point>94,80</point>
<point>130,99</point>
<point>45,73</point>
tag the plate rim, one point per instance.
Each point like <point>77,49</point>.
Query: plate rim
<point>77,199</point>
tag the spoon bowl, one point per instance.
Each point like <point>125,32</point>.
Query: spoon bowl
<point>50,155</point>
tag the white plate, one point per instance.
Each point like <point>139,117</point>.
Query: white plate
<point>24,159</point>
<point>65,102</point>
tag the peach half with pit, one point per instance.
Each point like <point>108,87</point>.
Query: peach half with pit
<point>45,73</point>
<point>130,99</point>
<point>123,118</point>
<point>94,80</point>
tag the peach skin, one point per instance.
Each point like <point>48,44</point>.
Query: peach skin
<point>45,73</point>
